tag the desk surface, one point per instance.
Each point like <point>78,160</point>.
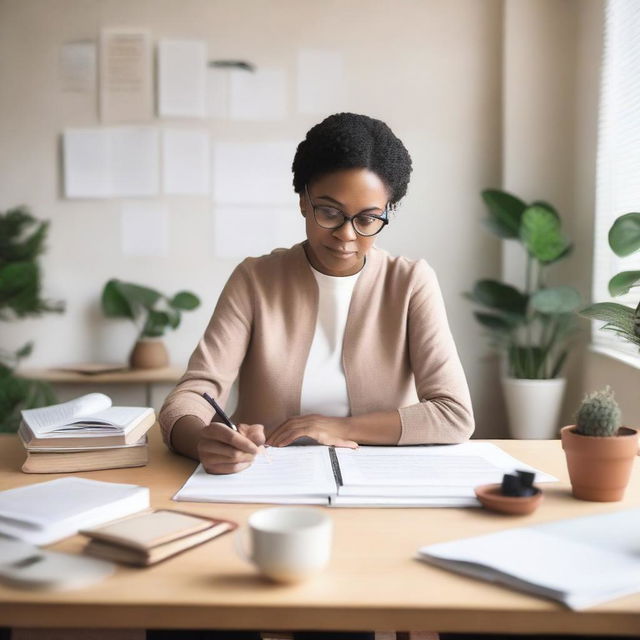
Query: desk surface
<point>373,581</point>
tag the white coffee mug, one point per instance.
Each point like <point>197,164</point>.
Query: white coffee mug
<point>288,544</point>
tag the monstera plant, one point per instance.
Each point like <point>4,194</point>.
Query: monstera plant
<point>624,321</point>
<point>22,239</point>
<point>531,326</point>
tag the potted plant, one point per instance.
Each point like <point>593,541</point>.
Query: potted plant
<point>531,327</point>
<point>600,453</point>
<point>624,239</point>
<point>152,313</point>
<point>22,240</point>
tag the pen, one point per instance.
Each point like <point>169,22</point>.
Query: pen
<point>225,418</point>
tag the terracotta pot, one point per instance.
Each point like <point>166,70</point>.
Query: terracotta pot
<point>599,467</point>
<point>148,353</point>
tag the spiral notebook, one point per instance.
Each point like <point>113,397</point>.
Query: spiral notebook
<point>417,476</point>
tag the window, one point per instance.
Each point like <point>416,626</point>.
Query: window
<point>618,169</point>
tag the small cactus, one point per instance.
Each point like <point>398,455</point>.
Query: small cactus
<point>599,414</point>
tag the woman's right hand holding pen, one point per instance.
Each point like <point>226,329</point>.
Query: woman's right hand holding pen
<point>222,450</point>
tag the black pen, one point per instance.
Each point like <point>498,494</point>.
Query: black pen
<point>225,418</point>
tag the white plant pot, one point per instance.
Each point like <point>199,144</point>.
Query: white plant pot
<point>533,407</point>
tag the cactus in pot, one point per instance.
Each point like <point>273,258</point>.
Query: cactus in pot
<point>599,414</point>
<point>600,453</point>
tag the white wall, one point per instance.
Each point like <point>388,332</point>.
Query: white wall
<point>431,68</point>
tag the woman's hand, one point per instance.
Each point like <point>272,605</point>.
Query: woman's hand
<point>322,429</point>
<point>223,450</point>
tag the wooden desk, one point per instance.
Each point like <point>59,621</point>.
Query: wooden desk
<point>147,377</point>
<point>373,581</point>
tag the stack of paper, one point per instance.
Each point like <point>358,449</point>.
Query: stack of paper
<point>579,562</point>
<point>48,511</point>
<point>85,434</point>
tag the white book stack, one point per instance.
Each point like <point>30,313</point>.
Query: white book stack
<point>45,512</point>
<point>85,434</point>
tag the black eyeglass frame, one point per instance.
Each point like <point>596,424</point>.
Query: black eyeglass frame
<point>384,218</point>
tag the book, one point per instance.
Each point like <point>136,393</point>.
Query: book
<point>43,460</point>
<point>46,512</point>
<point>89,420</point>
<point>580,562</point>
<point>415,476</point>
<point>148,538</point>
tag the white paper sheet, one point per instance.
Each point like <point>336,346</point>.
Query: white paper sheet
<point>446,470</point>
<point>185,162</point>
<point>218,92</point>
<point>182,78</point>
<point>258,95</point>
<point>322,88</point>
<point>578,561</point>
<point>111,162</point>
<point>145,229</point>
<point>126,87</point>
<point>253,173</point>
<point>78,67</point>
<point>263,230</point>
<point>303,473</point>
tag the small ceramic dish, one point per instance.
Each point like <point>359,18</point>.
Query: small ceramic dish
<point>490,496</point>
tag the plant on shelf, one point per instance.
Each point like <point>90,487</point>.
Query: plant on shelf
<point>533,326</point>
<point>624,240</point>
<point>600,452</point>
<point>153,314</point>
<point>22,239</point>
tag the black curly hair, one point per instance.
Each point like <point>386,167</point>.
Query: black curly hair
<point>349,141</point>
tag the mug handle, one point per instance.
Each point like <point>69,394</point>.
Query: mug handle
<point>240,542</point>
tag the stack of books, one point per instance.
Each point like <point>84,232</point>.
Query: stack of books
<point>85,434</point>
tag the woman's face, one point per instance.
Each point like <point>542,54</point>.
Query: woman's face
<point>341,251</point>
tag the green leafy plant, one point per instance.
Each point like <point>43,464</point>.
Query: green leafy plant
<point>599,414</point>
<point>22,239</point>
<point>152,312</point>
<point>533,327</point>
<point>624,239</point>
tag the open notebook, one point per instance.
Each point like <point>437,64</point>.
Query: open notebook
<point>579,562</point>
<point>423,476</point>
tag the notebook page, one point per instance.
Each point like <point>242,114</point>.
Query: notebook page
<point>46,419</point>
<point>436,471</point>
<point>288,472</point>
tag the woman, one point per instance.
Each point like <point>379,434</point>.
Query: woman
<point>332,339</point>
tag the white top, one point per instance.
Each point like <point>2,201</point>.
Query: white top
<point>324,387</point>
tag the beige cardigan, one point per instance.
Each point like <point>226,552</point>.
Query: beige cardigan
<point>397,341</point>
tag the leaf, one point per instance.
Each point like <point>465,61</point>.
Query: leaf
<point>114,303</point>
<point>525,362</point>
<point>554,300</point>
<point>185,300</point>
<point>545,205</point>
<point>495,322</point>
<point>540,232</point>
<point>624,235</point>
<point>497,295</point>
<point>621,283</point>
<point>156,324</point>
<point>136,294</point>
<point>24,351</point>
<point>619,319</point>
<point>505,210</point>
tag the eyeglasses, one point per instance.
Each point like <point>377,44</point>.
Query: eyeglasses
<point>364,224</point>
